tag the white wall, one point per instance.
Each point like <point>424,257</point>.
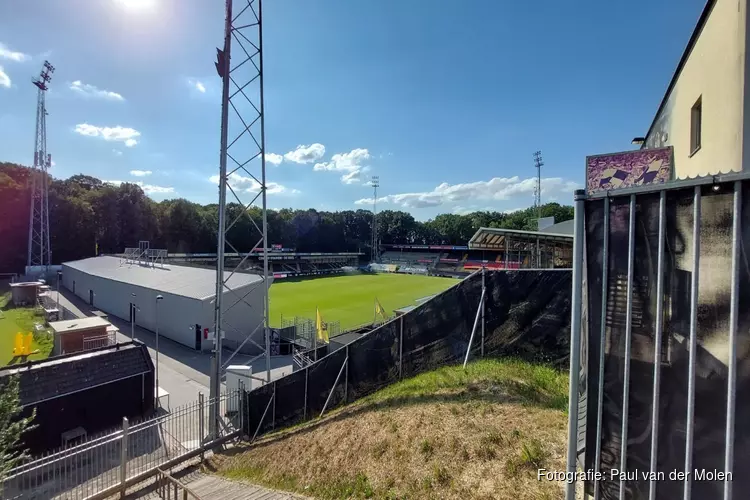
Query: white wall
<point>177,314</point>
<point>245,315</point>
<point>715,71</point>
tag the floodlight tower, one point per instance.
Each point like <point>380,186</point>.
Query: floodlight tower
<point>39,253</point>
<point>375,182</point>
<point>243,144</point>
<point>538,163</point>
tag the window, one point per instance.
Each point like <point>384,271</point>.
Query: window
<point>696,115</point>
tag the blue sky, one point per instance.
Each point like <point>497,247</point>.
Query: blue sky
<point>444,101</point>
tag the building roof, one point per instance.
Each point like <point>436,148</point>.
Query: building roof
<point>62,375</point>
<point>564,227</point>
<point>685,55</point>
<point>75,325</point>
<point>193,282</point>
<point>494,238</point>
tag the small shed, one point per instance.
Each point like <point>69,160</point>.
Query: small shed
<point>75,335</point>
<point>25,294</point>
<point>87,392</point>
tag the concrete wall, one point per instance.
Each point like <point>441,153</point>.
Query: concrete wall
<point>715,72</point>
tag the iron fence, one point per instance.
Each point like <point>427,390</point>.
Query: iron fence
<point>660,315</point>
<point>109,463</point>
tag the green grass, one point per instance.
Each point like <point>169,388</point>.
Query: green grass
<point>350,299</point>
<point>20,319</point>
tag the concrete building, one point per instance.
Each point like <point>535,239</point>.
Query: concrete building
<point>81,334</point>
<point>186,312</point>
<point>704,113</point>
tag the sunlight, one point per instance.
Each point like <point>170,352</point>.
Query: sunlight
<point>137,5</point>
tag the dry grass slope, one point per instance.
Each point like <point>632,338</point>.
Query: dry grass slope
<point>480,433</point>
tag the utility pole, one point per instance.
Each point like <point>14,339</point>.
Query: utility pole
<point>39,252</point>
<point>375,182</point>
<point>538,163</point>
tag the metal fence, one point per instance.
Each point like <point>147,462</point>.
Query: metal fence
<point>305,328</point>
<point>99,341</point>
<point>107,464</point>
<point>659,342</point>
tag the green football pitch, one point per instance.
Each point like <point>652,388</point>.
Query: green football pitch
<point>350,299</point>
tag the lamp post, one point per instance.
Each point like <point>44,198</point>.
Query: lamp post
<point>59,273</point>
<point>132,316</point>
<point>158,298</point>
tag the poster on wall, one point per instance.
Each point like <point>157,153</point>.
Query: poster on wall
<point>628,169</point>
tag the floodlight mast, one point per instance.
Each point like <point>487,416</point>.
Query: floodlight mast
<point>239,30</point>
<point>39,252</point>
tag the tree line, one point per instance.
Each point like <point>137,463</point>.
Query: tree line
<point>88,215</point>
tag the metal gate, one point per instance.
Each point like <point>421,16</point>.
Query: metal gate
<point>660,342</point>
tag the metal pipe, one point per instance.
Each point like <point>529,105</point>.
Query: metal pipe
<point>628,342</point>
<point>575,340</point>
<point>484,289</point>
<point>474,329</point>
<point>263,417</point>
<point>328,399</point>
<point>693,342</point>
<point>221,234</point>
<point>733,311</point>
<point>401,349</point>
<point>266,327</point>
<point>602,341</point>
<point>658,332</point>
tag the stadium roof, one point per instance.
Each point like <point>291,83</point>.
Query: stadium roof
<point>193,282</point>
<point>494,238</point>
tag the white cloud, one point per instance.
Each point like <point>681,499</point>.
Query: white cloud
<point>140,173</point>
<point>6,53</point>
<point>274,159</point>
<point>4,79</point>
<point>250,185</point>
<point>197,85</point>
<point>306,154</point>
<point>496,189</point>
<point>351,163</point>
<point>126,135</point>
<point>87,90</point>
<point>147,188</point>
<point>117,152</point>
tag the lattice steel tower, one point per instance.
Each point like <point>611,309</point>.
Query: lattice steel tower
<point>538,164</point>
<point>39,245</point>
<point>243,147</point>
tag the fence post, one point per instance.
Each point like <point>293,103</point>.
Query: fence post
<point>482,304</point>
<point>273,411</point>
<point>346,377</point>
<point>304,407</point>
<point>201,418</point>
<point>401,348</point>
<point>124,456</point>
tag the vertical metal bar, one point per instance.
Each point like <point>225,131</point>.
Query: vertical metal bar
<point>693,341</point>
<point>602,341</point>
<point>628,342</point>
<point>474,329</point>
<point>575,340</point>
<point>273,411</point>
<point>266,327</point>
<point>262,418</point>
<point>335,383</point>
<point>123,457</point>
<point>304,407</point>
<point>507,250</point>
<point>733,311</point>
<point>658,333</point>
<point>401,348</point>
<point>221,235</point>
<point>346,377</point>
<point>484,289</point>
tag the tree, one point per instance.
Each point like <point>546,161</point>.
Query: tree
<point>12,426</point>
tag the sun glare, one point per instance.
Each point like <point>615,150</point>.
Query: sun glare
<point>137,5</point>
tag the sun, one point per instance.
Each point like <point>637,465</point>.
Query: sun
<point>137,4</point>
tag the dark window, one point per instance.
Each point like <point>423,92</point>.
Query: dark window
<point>696,116</point>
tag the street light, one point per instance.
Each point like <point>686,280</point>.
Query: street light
<point>158,298</point>
<point>132,316</point>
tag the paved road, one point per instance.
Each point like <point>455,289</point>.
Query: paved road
<point>183,372</point>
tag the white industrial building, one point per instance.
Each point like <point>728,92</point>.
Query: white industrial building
<point>187,308</point>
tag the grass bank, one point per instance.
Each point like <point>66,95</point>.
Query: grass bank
<point>21,319</point>
<point>480,433</point>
